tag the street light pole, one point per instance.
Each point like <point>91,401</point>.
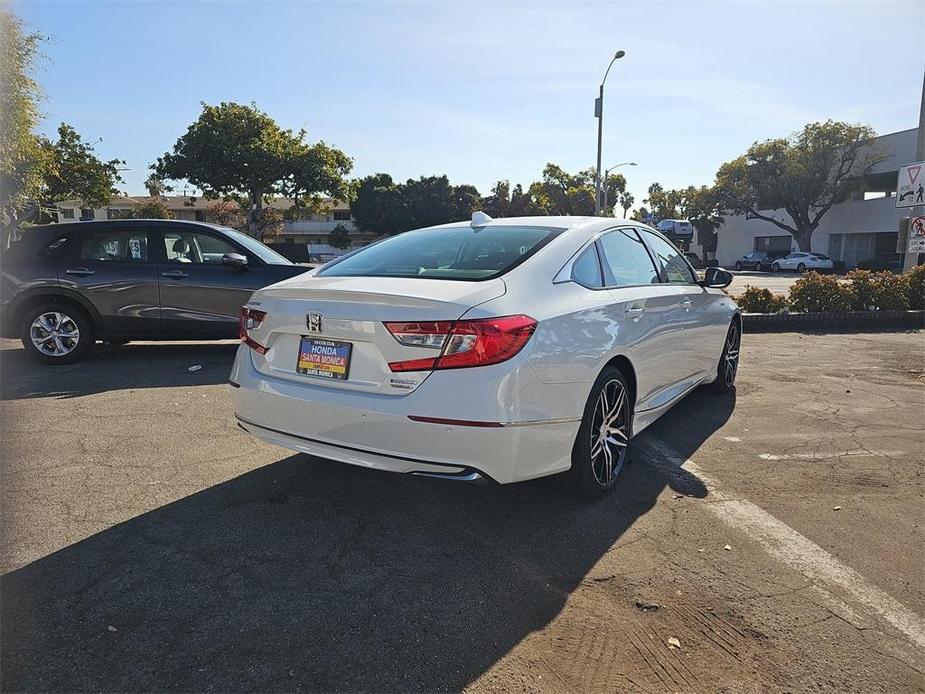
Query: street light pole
<point>599,114</point>
<point>607,173</point>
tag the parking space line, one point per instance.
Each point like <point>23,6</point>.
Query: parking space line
<point>830,454</point>
<point>787,545</point>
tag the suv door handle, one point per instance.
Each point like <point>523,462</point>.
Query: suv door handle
<point>176,274</point>
<point>80,271</point>
<point>634,311</point>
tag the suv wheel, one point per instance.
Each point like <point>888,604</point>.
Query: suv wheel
<point>599,452</point>
<point>57,333</point>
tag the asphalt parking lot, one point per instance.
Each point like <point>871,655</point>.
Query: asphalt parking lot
<point>776,535</point>
<point>779,282</point>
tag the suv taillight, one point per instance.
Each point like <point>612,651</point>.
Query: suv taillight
<point>251,320</point>
<point>463,343</point>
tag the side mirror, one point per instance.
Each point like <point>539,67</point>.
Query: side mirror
<point>716,278</point>
<point>234,260</point>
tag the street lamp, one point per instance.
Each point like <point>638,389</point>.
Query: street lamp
<point>607,173</point>
<point>599,114</point>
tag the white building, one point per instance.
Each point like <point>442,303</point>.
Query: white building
<point>865,228</point>
<point>311,228</point>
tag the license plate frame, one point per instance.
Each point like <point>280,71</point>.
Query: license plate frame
<point>324,364</point>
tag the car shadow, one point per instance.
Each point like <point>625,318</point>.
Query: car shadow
<point>107,368</point>
<point>311,575</point>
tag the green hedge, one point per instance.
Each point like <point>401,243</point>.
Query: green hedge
<point>863,290</point>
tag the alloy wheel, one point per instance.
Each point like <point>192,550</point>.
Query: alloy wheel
<point>54,334</point>
<point>731,355</point>
<point>609,433</point>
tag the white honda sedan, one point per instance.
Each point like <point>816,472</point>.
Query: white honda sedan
<point>503,349</point>
<point>801,262</point>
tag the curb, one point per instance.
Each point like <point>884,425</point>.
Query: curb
<point>848,321</point>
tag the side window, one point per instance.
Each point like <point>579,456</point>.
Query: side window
<point>587,269</point>
<point>191,247</point>
<point>626,260</point>
<point>125,246</point>
<point>670,257</point>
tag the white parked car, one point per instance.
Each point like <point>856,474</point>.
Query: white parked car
<point>801,262</point>
<point>504,349</point>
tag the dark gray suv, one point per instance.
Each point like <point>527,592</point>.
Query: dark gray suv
<point>64,286</point>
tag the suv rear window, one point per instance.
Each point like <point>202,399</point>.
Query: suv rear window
<point>449,253</point>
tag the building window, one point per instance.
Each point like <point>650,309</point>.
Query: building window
<point>341,215</point>
<point>86,213</point>
<point>115,213</point>
<point>67,213</point>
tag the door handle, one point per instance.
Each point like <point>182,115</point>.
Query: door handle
<point>634,311</point>
<point>80,271</point>
<point>176,274</point>
<point>686,304</point>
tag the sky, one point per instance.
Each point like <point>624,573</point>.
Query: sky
<point>482,91</point>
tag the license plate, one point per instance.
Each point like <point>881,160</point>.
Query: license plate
<point>324,358</point>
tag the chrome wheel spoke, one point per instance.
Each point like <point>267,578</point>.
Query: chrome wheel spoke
<point>609,435</point>
<point>55,334</point>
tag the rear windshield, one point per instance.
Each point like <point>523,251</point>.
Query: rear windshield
<point>450,253</point>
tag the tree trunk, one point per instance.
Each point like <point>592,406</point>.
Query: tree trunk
<point>803,238</point>
<point>253,214</point>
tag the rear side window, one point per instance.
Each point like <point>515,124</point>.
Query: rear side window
<point>125,246</point>
<point>587,269</point>
<point>626,261</point>
<point>450,253</point>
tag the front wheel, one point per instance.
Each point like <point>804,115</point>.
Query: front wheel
<point>57,333</point>
<point>599,452</point>
<point>728,365</point>
<point>776,267</point>
<point>801,267</point>
<point>738,266</point>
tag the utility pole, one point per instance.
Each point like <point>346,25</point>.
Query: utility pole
<point>599,114</point>
<point>911,259</point>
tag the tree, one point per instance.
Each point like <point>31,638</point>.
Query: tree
<point>339,237</point>
<point>626,201</point>
<point>154,186</point>
<point>226,213</point>
<point>377,206</point>
<point>36,172</point>
<point>804,175</point>
<point>238,151</point>
<point>22,157</point>
<point>154,208</point>
<point>74,171</point>
<point>703,207</point>
<point>664,204</point>
<point>507,202</point>
<point>382,207</point>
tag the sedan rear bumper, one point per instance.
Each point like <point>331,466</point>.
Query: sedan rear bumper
<point>376,431</point>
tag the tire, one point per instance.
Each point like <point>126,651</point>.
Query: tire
<point>728,365</point>
<point>775,267</point>
<point>738,266</point>
<point>590,475</point>
<point>801,268</point>
<point>57,333</point>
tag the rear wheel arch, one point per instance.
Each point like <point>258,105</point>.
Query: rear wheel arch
<point>26,303</point>
<point>623,363</point>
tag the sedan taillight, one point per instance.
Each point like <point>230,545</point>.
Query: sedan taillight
<point>251,320</point>
<point>463,343</point>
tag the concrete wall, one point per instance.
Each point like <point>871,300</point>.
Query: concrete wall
<point>737,235</point>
